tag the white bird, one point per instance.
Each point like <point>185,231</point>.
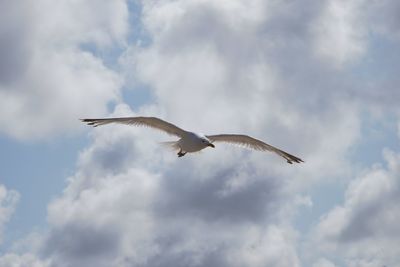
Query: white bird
<point>190,142</point>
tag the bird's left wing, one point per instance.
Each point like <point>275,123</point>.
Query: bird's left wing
<point>250,142</point>
<point>152,122</point>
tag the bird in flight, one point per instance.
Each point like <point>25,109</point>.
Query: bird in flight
<point>190,142</point>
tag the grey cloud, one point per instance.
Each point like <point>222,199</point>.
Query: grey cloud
<point>182,219</point>
<point>22,260</point>
<point>79,244</point>
<point>14,55</point>
<point>115,157</point>
<point>171,258</point>
<point>14,41</point>
<point>360,227</point>
<point>384,17</point>
<point>184,196</point>
<point>366,219</point>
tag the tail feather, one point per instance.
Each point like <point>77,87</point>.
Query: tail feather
<point>171,145</point>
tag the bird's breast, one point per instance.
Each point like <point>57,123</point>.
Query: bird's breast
<point>191,144</point>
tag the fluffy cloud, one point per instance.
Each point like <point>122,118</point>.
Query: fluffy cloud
<point>364,230</point>
<point>272,69</point>
<point>323,263</point>
<point>134,204</point>
<point>17,260</point>
<point>8,201</point>
<point>340,32</point>
<point>47,79</point>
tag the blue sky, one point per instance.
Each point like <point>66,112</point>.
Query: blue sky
<point>318,80</point>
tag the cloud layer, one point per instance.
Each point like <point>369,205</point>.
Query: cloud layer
<point>164,215</point>
<point>284,71</point>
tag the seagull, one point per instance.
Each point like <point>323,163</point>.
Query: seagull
<point>191,142</point>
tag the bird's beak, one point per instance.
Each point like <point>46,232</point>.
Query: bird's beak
<point>211,145</point>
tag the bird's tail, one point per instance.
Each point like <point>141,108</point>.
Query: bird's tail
<point>171,145</point>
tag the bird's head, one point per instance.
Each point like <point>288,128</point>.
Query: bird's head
<point>211,145</point>
<point>207,142</point>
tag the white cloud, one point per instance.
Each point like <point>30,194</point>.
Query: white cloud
<point>47,81</point>
<point>340,32</point>
<point>24,260</point>
<point>323,263</point>
<point>74,23</point>
<point>25,252</point>
<point>8,201</point>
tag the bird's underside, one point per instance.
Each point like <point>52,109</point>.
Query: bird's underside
<point>191,142</point>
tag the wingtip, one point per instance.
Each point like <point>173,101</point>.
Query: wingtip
<point>89,122</point>
<point>296,160</point>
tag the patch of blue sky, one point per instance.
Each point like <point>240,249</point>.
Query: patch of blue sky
<point>376,134</point>
<point>138,33</point>
<point>384,63</point>
<point>138,96</point>
<point>38,171</point>
<point>377,72</point>
<point>377,75</point>
<point>324,197</point>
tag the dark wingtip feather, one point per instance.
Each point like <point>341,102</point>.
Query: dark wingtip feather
<point>290,158</point>
<point>297,160</point>
<point>89,122</point>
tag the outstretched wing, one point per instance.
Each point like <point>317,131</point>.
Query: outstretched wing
<point>152,122</point>
<point>250,142</point>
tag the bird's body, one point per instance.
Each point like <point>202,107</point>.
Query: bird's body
<point>191,142</point>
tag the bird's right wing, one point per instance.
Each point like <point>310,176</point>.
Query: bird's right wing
<point>152,122</point>
<point>250,142</point>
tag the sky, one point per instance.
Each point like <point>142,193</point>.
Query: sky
<point>318,79</point>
